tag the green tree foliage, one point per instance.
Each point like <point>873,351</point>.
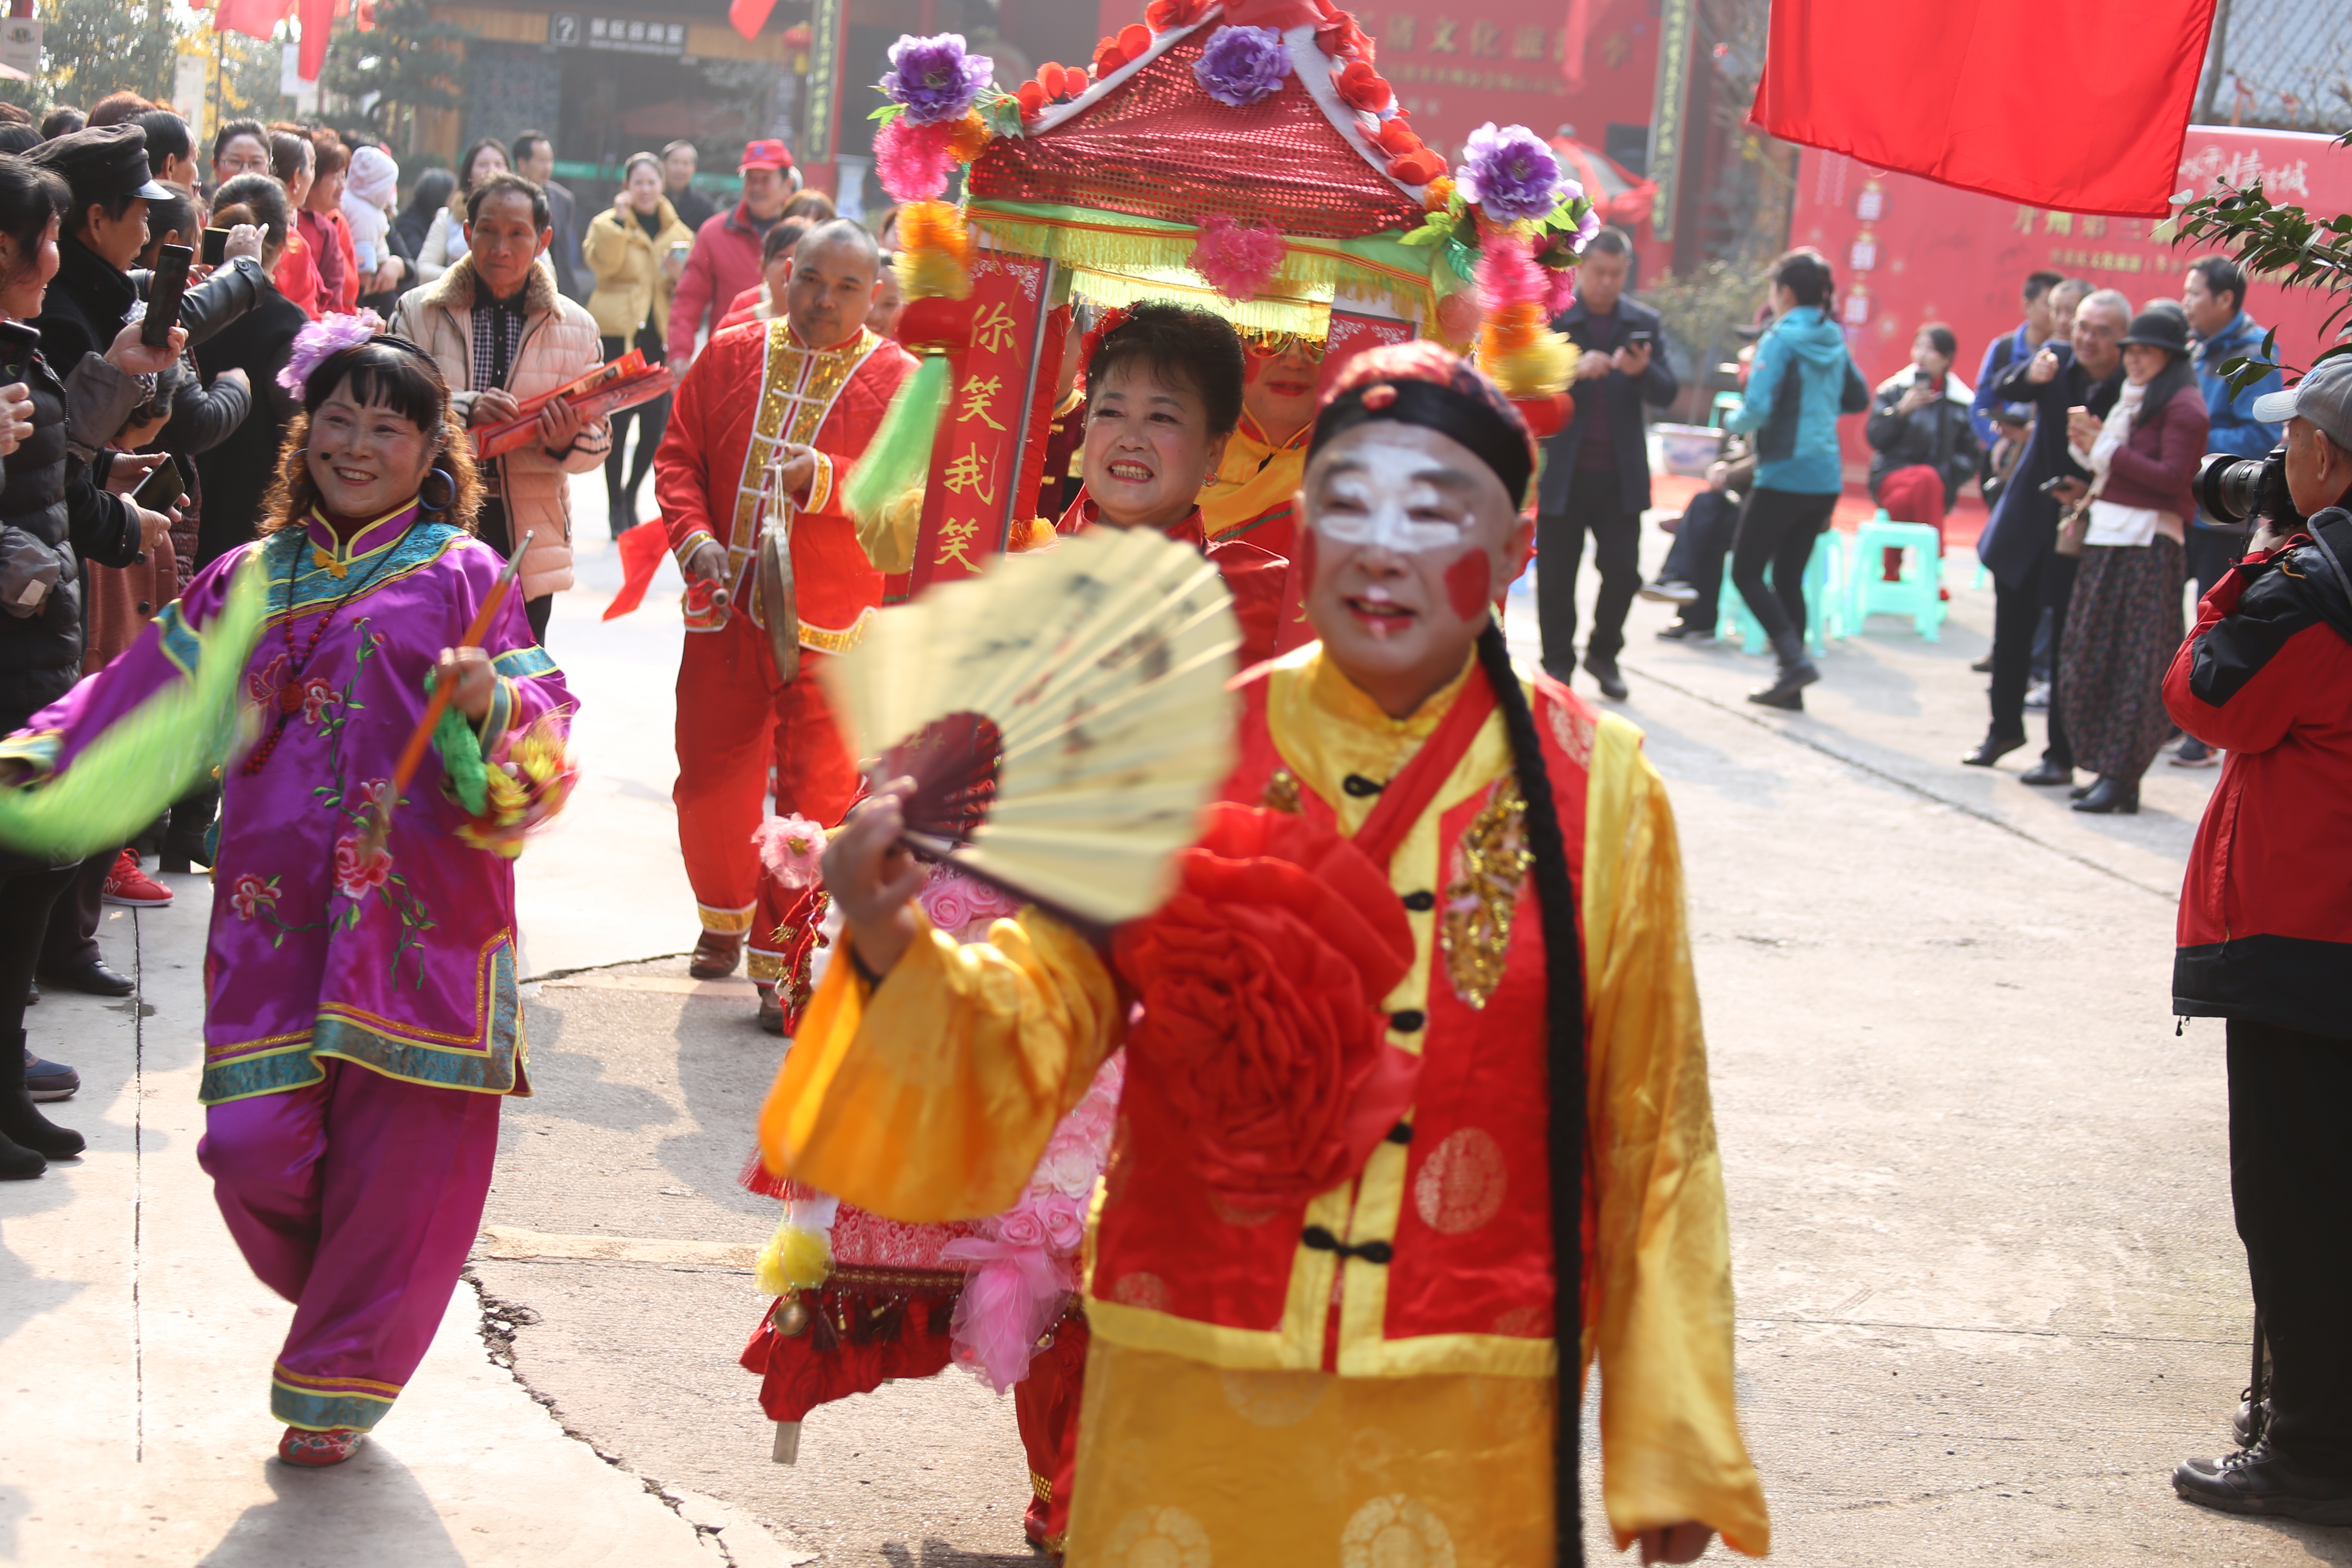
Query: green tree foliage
<point>92,47</point>
<point>2279,242</point>
<point>409,60</point>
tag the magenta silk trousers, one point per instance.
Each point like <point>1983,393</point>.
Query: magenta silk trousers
<point>357,1199</point>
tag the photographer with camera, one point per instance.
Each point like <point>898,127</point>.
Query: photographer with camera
<point>2265,933</point>
<point>1923,439</point>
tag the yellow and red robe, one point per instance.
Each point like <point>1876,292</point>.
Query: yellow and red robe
<point>1254,494</point>
<point>1251,1398</point>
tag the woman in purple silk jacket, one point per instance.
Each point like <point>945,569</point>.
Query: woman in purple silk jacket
<point>361,1018</point>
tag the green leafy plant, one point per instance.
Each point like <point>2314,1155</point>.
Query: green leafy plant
<point>2278,242</point>
<point>410,60</point>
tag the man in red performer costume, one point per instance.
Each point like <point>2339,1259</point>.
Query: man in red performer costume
<point>766,428</point>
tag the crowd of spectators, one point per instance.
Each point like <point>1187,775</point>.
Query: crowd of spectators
<point>106,511</point>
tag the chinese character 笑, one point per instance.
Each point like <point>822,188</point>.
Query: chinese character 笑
<point>969,473</point>
<point>2094,227</point>
<point>2057,223</point>
<point>1440,38</point>
<point>955,538</point>
<point>1398,33</point>
<point>1485,39</point>
<point>979,392</point>
<point>1527,44</point>
<point>2024,224</point>
<point>993,330</point>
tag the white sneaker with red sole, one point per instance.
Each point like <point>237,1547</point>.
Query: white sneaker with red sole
<point>128,885</point>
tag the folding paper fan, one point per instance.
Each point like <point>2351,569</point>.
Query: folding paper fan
<point>1065,717</point>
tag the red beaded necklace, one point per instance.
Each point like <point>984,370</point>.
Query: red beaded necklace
<point>290,692</point>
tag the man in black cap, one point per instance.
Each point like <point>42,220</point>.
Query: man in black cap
<point>99,240</point>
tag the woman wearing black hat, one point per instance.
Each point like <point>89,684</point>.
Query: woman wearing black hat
<point>2124,625</point>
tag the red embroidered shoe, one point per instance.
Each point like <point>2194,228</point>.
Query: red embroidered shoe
<point>127,884</point>
<point>317,1450</point>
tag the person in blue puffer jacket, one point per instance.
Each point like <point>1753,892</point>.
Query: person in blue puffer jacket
<point>1801,381</point>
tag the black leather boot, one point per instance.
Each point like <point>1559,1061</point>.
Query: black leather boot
<point>1797,672</point>
<point>2111,795</point>
<point>26,1137</point>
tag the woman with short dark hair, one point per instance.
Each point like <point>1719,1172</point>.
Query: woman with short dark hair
<point>444,241</point>
<point>1923,441</point>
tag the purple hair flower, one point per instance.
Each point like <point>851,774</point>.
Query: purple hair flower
<point>328,335</point>
<point>1242,64</point>
<point>1510,173</point>
<point>934,79</point>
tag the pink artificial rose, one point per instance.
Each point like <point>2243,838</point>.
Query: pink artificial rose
<point>355,879</point>
<point>1066,1221</point>
<point>1021,1227</point>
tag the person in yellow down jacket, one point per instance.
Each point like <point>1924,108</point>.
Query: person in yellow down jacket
<point>636,248</point>
<point>1382,1096</point>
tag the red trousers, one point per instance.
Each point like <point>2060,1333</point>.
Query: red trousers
<point>1914,494</point>
<point>735,722</point>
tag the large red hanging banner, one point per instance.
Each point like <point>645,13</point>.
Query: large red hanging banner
<point>2078,107</point>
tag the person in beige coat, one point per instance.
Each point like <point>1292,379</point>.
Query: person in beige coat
<point>502,335</point>
<point>636,250</point>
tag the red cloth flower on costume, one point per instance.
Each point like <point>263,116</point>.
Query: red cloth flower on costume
<point>1261,983</point>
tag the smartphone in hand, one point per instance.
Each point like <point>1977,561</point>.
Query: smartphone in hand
<point>216,246</point>
<point>169,282</point>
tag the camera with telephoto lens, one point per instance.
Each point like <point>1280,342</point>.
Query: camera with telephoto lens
<point>2232,488</point>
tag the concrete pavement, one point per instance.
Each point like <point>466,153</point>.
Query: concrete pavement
<point>1987,1288</point>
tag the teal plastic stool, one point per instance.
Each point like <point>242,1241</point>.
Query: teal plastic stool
<point>1724,402</point>
<point>1919,593</point>
<point>1824,588</point>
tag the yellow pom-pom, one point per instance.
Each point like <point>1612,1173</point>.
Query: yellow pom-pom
<point>970,138</point>
<point>795,1259</point>
<point>929,275</point>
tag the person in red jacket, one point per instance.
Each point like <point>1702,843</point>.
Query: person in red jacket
<point>726,257</point>
<point>769,423</point>
<point>2265,942</point>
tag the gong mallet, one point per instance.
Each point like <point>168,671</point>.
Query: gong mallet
<point>373,838</point>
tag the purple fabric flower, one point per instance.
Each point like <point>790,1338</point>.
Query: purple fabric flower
<point>314,342</point>
<point>1242,64</point>
<point>1510,171</point>
<point>934,78</point>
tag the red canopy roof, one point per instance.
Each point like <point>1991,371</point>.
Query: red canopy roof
<point>1148,141</point>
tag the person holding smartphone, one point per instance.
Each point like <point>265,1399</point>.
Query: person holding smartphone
<point>1596,469</point>
<point>1923,438</point>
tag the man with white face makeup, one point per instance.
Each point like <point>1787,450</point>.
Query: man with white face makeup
<point>1362,1063</point>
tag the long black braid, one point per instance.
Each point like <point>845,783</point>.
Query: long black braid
<point>1564,1016</point>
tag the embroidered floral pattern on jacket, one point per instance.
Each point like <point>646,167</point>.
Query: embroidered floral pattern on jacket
<point>1481,890</point>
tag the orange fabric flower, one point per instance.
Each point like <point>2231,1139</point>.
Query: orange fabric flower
<point>970,138</point>
<point>1261,983</point>
<point>1417,167</point>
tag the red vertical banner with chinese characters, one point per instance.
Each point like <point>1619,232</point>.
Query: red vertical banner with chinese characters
<point>1357,324</point>
<point>975,461</point>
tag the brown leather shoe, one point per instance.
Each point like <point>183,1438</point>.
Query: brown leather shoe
<point>716,954</point>
<point>771,1010</point>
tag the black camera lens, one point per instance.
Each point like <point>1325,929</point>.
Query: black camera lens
<point>2230,487</point>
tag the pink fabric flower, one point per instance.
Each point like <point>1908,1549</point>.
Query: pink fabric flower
<point>1064,1218</point>
<point>792,849</point>
<point>914,159</point>
<point>1021,1226</point>
<point>1237,261</point>
<point>354,877</point>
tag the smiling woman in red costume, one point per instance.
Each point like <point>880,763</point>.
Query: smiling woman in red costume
<point>1375,1116</point>
<point>1164,387</point>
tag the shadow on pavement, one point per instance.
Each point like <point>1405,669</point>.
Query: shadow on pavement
<point>339,1515</point>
